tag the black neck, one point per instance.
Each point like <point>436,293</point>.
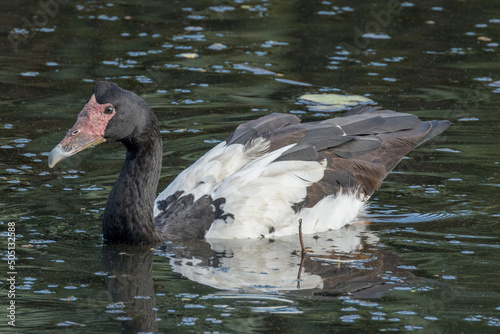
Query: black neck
<point>128,217</point>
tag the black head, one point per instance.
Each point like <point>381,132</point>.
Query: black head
<point>111,114</point>
<point>133,116</point>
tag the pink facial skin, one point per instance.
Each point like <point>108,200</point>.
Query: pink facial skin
<point>89,127</point>
<point>88,131</point>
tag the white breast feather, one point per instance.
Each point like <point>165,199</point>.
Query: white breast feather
<point>262,194</point>
<point>213,167</point>
<point>330,213</point>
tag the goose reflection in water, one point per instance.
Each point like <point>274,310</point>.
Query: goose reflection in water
<point>345,262</point>
<point>130,283</point>
<point>256,266</point>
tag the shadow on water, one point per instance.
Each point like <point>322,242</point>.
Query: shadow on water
<point>269,273</point>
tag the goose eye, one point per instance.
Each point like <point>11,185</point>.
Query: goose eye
<point>109,110</point>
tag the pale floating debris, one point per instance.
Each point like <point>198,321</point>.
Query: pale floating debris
<point>293,82</point>
<point>324,12</point>
<point>19,31</point>
<point>107,18</point>
<point>69,299</point>
<point>269,44</point>
<point>211,141</point>
<point>448,150</point>
<point>335,99</point>
<point>110,62</point>
<point>221,9</point>
<point>196,38</point>
<point>257,8</point>
<point>394,59</point>
<point>193,28</point>
<point>144,79</point>
<point>196,17</point>
<point>29,74</point>
<point>484,79</point>
<point>254,69</point>
<point>217,46</point>
<point>137,53</point>
<point>194,69</point>
<point>69,323</point>
<point>374,63</point>
<point>333,102</point>
<point>495,84</point>
<point>48,29</point>
<point>376,36</point>
<point>188,55</point>
<point>172,65</point>
<point>484,39</point>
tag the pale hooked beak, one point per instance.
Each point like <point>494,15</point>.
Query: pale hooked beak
<point>56,155</point>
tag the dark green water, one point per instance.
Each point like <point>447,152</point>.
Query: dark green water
<point>429,260</point>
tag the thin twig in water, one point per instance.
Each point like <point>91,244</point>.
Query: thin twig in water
<point>303,249</point>
<point>302,253</point>
<point>302,259</point>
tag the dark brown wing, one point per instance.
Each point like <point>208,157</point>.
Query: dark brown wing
<point>361,148</point>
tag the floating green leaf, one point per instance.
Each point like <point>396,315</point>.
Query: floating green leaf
<point>333,102</point>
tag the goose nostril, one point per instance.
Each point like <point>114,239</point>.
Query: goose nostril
<point>75,132</point>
